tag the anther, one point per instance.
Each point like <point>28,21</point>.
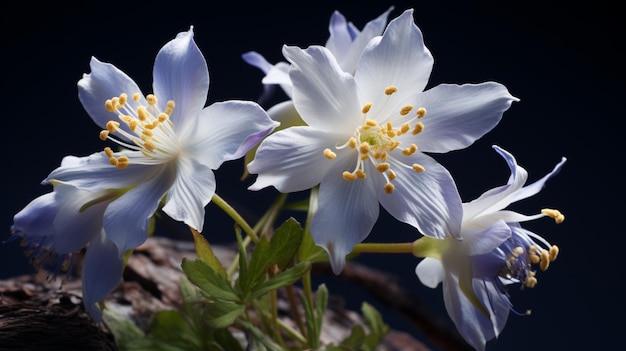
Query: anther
<point>545,260</point>
<point>364,148</point>
<point>421,112</point>
<point>329,154</point>
<point>123,99</point>
<point>390,90</point>
<point>104,135</point>
<point>371,123</point>
<point>352,142</point>
<point>418,128</point>
<point>349,176</point>
<point>418,168</point>
<point>406,109</point>
<point>152,100</point>
<point>554,252</point>
<point>366,108</point>
<point>389,188</point>
<point>555,214</point>
<point>391,174</point>
<point>517,251</point>
<point>360,174</point>
<point>382,167</point>
<point>108,105</point>
<point>112,126</point>
<point>136,97</point>
<point>404,128</point>
<point>108,152</point>
<point>410,150</point>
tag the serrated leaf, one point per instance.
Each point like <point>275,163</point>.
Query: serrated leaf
<point>212,284</point>
<point>257,267</point>
<point>205,253</point>
<point>222,314</point>
<point>282,279</point>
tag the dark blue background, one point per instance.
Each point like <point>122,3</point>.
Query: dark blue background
<point>563,61</point>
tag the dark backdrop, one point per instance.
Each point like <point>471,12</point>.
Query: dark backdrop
<point>562,60</point>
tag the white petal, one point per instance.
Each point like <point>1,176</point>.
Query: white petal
<point>346,214</point>
<point>191,192</point>
<point>293,159</point>
<point>478,242</point>
<point>104,82</point>
<point>430,272</point>
<point>398,58</point>
<point>323,94</point>
<point>427,200</point>
<point>227,130</point>
<point>181,74</point>
<point>458,115</point>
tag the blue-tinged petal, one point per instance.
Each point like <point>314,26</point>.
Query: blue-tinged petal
<point>181,74</point>
<point>35,221</point>
<point>348,54</point>
<point>482,240</point>
<point>126,219</point>
<point>346,214</point>
<point>458,115</point>
<point>427,200</point>
<point>535,187</point>
<point>340,37</point>
<point>398,59</point>
<point>227,130</point>
<point>324,95</point>
<point>498,304</point>
<point>496,199</point>
<point>192,190</point>
<point>472,324</point>
<point>104,82</point>
<point>102,272</point>
<point>293,159</point>
<point>257,60</point>
<point>96,173</point>
<point>430,272</point>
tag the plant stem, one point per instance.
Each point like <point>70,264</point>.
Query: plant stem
<point>383,248</point>
<point>235,216</point>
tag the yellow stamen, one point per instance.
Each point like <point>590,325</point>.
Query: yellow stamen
<point>349,176</point>
<point>360,174</point>
<point>421,112</point>
<point>389,188</point>
<point>152,100</point>
<point>390,90</point>
<point>329,154</point>
<point>112,126</point>
<point>406,109</point>
<point>418,128</point>
<point>554,252</point>
<point>123,99</point>
<point>555,214</point>
<point>352,142</point>
<point>545,260</point>
<point>382,167</point>
<point>136,97</point>
<point>366,108</point>
<point>104,135</point>
<point>418,168</point>
<point>364,148</point>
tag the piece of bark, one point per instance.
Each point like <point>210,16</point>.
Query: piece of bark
<point>38,314</point>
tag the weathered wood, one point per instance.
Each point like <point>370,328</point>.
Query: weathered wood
<point>38,314</point>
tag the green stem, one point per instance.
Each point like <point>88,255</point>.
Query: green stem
<point>235,216</point>
<point>383,248</point>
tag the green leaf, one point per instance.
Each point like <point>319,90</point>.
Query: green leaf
<point>259,337</point>
<point>172,327</point>
<point>205,253</point>
<point>354,341</point>
<point>282,279</point>
<point>374,321</point>
<point>321,301</point>
<point>285,243</point>
<point>257,267</point>
<point>212,284</point>
<point>124,330</point>
<point>222,314</point>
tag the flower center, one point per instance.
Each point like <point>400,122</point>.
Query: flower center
<point>376,143</point>
<point>521,258</point>
<point>149,128</point>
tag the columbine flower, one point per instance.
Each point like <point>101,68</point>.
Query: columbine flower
<point>494,251</point>
<point>58,224</point>
<point>346,42</point>
<point>366,134</point>
<point>170,143</point>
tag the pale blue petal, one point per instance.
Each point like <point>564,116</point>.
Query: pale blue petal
<point>479,242</point>
<point>96,173</point>
<point>102,273</point>
<point>191,192</point>
<point>535,187</point>
<point>35,221</point>
<point>430,272</point>
<point>399,58</point>
<point>346,214</point>
<point>498,198</point>
<point>458,115</point>
<point>349,53</point>
<point>323,94</point>
<point>293,159</point>
<point>428,200</point>
<point>471,323</point>
<point>340,39</point>
<point>498,304</point>
<point>257,60</point>
<point>126,219</point>
<point>227,131</point>
<point>104,82</point>
<point>181,74</point>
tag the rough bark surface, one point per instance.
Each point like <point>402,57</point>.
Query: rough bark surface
<point>39,314</point>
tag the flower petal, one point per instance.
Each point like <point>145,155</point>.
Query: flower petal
<point>346,214</point>
<point>102,273</point>
<point>458,115</point>
<point>126,219</point>
<point>292,159</point>
<point>191,192</point>
<point>227,130</point>
<point>430,272</point>
<point>181,74</point>
<point>324,95</point>
<point>479,242</point>
<point>428,200</point>
<point>104,82</point>
<point>398,58</point>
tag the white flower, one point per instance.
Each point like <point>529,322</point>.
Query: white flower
<point>494,251</point>
<point>367,134</point>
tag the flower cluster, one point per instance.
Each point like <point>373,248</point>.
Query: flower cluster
<point>360,126</point>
